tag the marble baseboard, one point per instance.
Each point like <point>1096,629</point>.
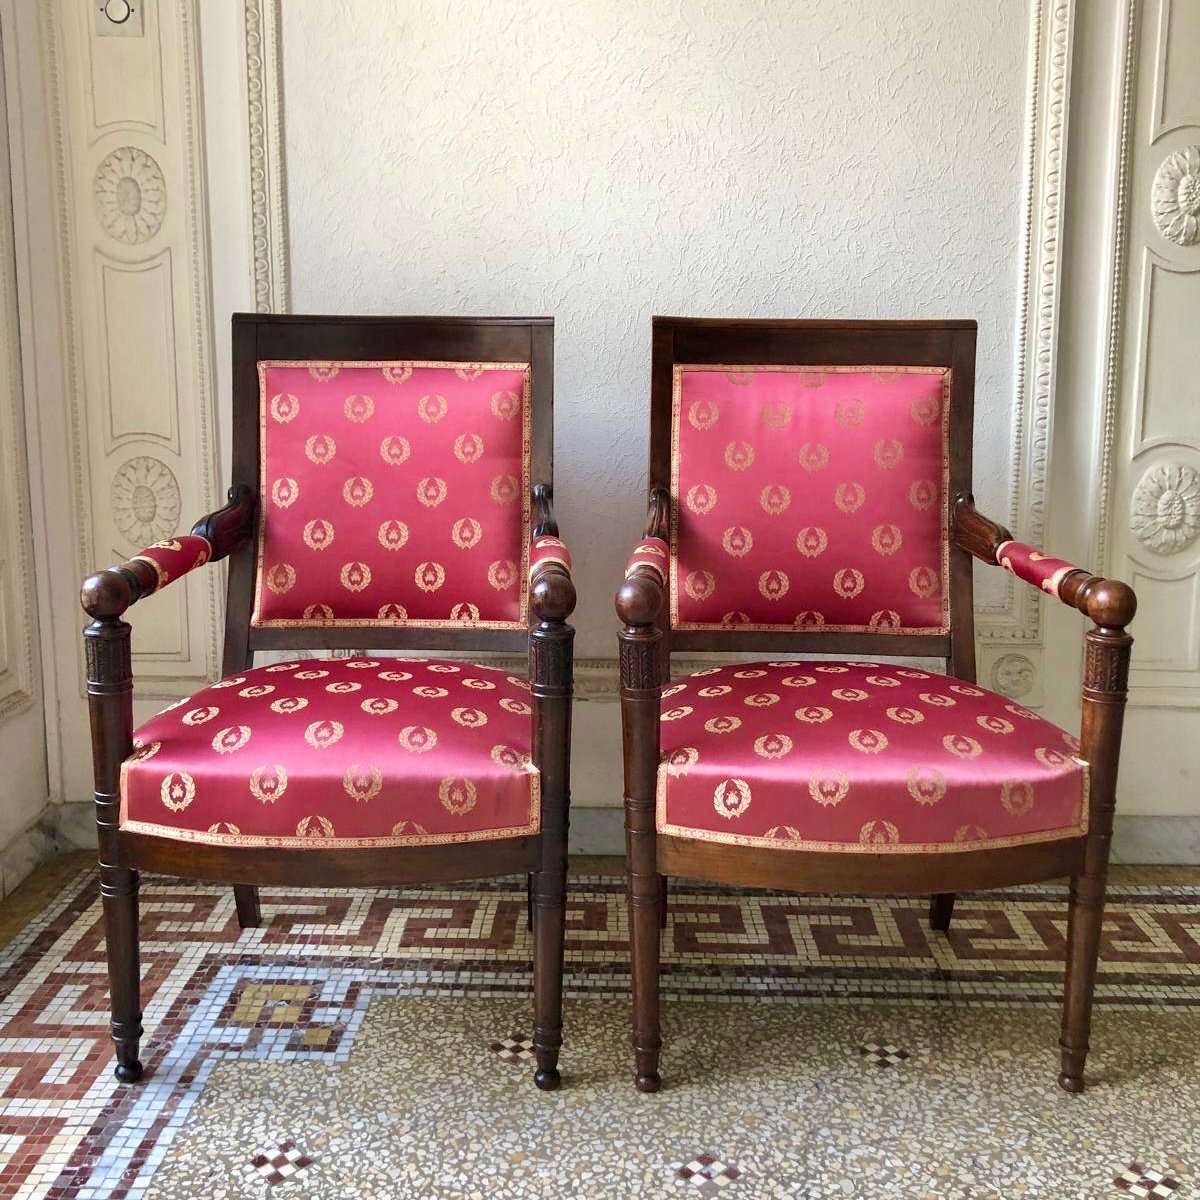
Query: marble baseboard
<point>1154,840</point>
<point>24,853</point>
<point>1136,839</point>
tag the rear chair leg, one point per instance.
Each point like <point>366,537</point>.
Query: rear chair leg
<point>119,895</point>
<point>941,909</point>
<point>249,911</point>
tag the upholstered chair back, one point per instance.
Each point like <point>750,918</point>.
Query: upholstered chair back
<point>811,469</point>
<point>810,496</point>
<point>398,464</point>
<point>393,493</point>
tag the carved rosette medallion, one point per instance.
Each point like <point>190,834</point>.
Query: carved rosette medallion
<point>1175,196</point>
<point>1165,513</point>
<point>145,500</point>
<point>1013,676</point>
<point>130,194</point>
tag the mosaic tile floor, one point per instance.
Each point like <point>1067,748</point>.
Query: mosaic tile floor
<point>375,1044</point>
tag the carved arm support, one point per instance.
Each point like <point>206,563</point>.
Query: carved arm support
<point>107,594</point>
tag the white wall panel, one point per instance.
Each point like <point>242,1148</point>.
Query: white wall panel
<point>606,162</point>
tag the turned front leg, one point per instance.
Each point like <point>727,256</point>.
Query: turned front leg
<point>1106,672</point>
<point>110,708</point>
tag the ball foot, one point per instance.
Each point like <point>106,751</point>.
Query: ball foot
<point>547,1081</point>
<point>128,1072</point>
<point>648,1083</point>
<point>1071,1083</point>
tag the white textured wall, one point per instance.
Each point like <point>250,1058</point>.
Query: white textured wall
<point>602,161</point>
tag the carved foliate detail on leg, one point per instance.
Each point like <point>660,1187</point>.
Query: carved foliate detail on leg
<point>641,660</point>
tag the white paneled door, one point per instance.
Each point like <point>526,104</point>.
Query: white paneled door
<point>1149,531</point>
<point>23,788</point>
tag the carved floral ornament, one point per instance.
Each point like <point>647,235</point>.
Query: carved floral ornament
<point>1175,196</point>
<point>145,500</point>
<point>130,195</point>
<point>1013,675</point>
<point>1165,513</point>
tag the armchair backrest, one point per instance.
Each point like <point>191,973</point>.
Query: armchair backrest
<point>811,467</point>
<point>394,460</point>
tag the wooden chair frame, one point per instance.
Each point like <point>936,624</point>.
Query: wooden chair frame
<point>646,643</point>
<point>107,595</point>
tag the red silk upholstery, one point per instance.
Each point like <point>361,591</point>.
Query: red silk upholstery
<point>650,552</point>
<point>861,757</point>
<point>343,752</point>
<point>810,497</point>
<point>393,494</point>
<point>173,558</point>
<point>1035,566</point>
<point>547,549</point>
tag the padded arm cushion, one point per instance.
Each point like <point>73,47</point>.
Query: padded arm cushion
<point>1035,566</point>
<point>545,551</point>
<point>650,553</point>
<point>173,558</point>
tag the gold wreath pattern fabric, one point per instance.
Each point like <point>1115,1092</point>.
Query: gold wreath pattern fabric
<point>810,498</point>
<point>339,753</point>
<point>861,757</point>
<point>393,494</point>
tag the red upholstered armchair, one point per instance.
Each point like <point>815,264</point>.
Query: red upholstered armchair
<point>810,493</point>
<point>391,492</point>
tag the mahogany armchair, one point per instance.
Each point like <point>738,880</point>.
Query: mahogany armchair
<point>810,493</point>
<point>391,492</point>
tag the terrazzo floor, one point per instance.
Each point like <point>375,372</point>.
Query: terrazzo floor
<point>375,1044</point>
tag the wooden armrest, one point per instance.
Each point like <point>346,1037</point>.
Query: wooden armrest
<point>1110,603</point>
<point>109,593</point>
<point>228,527</point>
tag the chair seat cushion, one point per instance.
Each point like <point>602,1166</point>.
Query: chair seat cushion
<point>339,753</point>
<point>861,757</point>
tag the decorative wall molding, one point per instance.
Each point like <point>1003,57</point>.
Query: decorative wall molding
<point>1118,252</point>
<point>268,182</point>
<point>1018,619</point>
